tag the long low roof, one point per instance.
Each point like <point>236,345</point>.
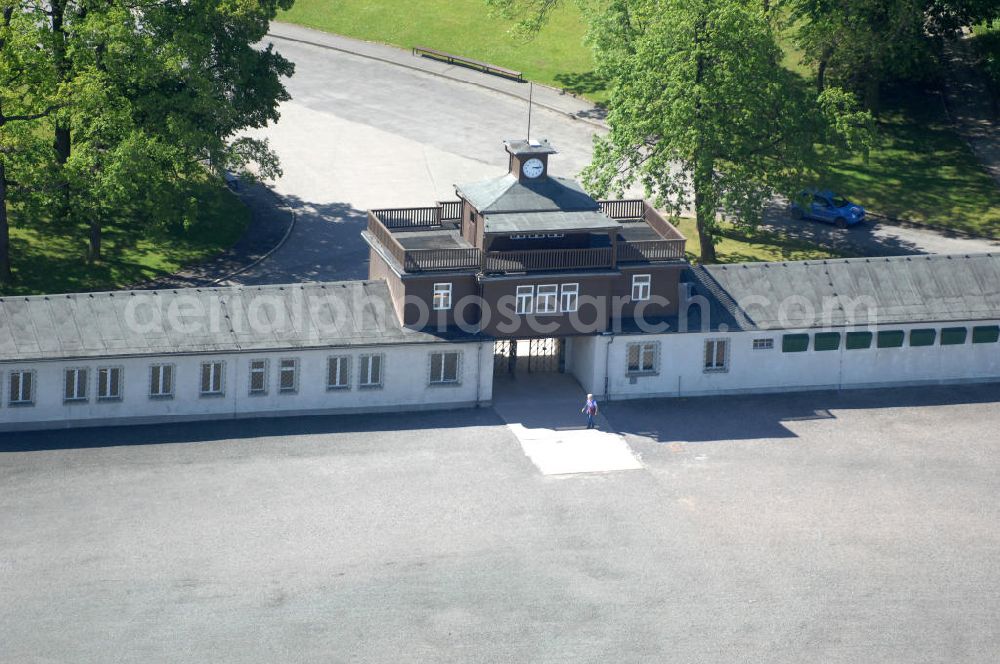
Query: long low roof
<point>856,291</point>
<point>203,320</point>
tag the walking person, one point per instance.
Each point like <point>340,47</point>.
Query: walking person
<point>590,408</point>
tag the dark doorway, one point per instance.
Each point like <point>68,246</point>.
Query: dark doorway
<point>513,356</point>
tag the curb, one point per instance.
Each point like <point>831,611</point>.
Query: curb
<point>284,238</point>
<point>548,107</point>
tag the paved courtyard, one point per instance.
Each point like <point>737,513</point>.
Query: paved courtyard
<point>817,527</point>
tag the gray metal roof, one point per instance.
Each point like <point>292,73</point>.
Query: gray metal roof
<point>519,146</point>
<point>212,320</point>
<point>857,291</point>
<point>549,222</point>
<point>507,194</point>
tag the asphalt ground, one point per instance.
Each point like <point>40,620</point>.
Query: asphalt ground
<point>814,527</point>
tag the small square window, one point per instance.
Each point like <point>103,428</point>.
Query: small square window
<point>641,287</point>
<point>75,385</point>
<point>794,343</point>
<point>212,379</point>
<point>569,298</point>
<point>161,381</point>
<point>370,371</point>
<point>923,337</point>
<point>643,358</point>
<point>716,355</point>
<point>954,336</point>
<point>258,377</point>
<point>288,376</point>
<point>826,341</point>
<point>338,373</point>
<point>986,334</point>
<point>546,303</point>
<point>763,344</point>
<point>890,339</point>
<point>21,384</point>
<point>525,299</point>
<point>109,383</point>
<point>442,297</point>
<point>444,368</point>
<point>858,340</point>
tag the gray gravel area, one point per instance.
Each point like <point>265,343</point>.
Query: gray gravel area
<point>817,527</point>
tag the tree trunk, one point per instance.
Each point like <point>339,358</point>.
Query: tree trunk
<point>704,213</point>
<point>821,75</point>
<point>94,247</point>
<point>62,139</point>
<point>5,272</point>
<point>873,98</point>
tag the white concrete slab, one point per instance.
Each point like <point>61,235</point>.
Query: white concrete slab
<point>574,451</point>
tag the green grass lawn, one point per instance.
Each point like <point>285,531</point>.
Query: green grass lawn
<point>921,170</point>
<point>49,262</point>
<point>556,56</point>
<point>739,246</point>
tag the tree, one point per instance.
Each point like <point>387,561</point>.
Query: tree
<point>703,114</point>
<point>154,91</point>
<point>25,103</point>
<point>862,44</point>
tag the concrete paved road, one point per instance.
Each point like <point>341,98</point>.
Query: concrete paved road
<point>362,133</point>
<point>791,528</point>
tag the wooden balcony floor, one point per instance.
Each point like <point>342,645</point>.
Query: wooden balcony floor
<point>435,239</point>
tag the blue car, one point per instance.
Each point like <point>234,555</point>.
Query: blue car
<point>829,207</point>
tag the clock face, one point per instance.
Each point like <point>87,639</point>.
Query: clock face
<point>533,168</point>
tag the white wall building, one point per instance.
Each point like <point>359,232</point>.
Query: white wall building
<point>156,356</point>
<point>773,327</point>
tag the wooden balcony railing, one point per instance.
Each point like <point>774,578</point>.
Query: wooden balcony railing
<point>419,260</point>
<point>650,250</point>
<point>384,237</point>
<point>546,259</point>
<point>634,209</point>
<point>663,227</point>
<point>408,218</point>
<point>451,210</point>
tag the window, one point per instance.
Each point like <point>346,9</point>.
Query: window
<point>954,336</point>
<point>986,334</point>
<point>288,376</point>
<point>258,377</point>
<point>338,373</point>
<point>794,343</point>
<point>827,341</point>
<point>22,388</point>
<point>890,339</point>
<point>442,297</point>
<point>643,357</point>
<point>925,337</point>
<point>763,344</point>
<point>525,298</point>
<point>109,383</point>
<point>569,299</point>
<point>161,381</point>
<point>717,355</point>
<point>75,385</point>
<point>640,287</point>
<point>370,371</point>
<point>211,378</point>
<point>858,340</point>
<point>444,368</point>
<point>546,303</point>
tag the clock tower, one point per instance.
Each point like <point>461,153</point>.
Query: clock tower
<point>529,159</point>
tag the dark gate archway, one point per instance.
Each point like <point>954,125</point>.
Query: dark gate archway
<point>513,356</point>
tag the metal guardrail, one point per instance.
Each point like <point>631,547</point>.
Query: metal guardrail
<point>453,59</point>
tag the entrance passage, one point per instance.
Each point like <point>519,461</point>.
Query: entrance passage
<point>512,356</point>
